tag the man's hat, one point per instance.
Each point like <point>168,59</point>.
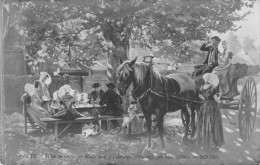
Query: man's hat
<point>133,102</point>
<point>111,85</point>
<point>216,38</point>
<point>95,85</point>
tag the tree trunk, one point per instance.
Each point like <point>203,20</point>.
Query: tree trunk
<point>115,55</point>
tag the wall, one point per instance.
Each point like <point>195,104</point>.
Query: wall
<point>76,83</point>
<point>14,89</point>
<point>14,63</point>
<point>95,76</point>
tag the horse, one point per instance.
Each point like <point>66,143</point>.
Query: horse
<point>158,95</point>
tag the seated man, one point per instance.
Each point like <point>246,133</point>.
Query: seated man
<point>212,57</point>
<point>96,94</point>
<point>113,103</point>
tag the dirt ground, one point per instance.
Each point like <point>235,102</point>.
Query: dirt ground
<point>40,148</point>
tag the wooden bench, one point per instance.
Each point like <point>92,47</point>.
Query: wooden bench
<point>86,119</point>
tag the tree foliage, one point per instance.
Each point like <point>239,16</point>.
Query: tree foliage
<point>83,30</point>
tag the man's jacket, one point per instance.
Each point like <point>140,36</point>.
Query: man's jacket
<point>209,49</point>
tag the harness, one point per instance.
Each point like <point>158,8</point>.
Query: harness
<point>150,90</point>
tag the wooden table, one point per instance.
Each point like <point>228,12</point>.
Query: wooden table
<point>56,122</point>
<point>82,108</point>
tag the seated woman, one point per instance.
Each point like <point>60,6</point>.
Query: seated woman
<point>225,70</point>
<point>44,82</point>
<point>66,110</point>
<point>66,98</point>
<point>209,134</point>
<point>35,110</point>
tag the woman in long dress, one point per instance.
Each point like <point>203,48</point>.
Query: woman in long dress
<point>209,129</point>
<point>35,110</point>
<point>225,71</point>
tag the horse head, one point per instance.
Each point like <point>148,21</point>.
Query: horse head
<point>125,76</point>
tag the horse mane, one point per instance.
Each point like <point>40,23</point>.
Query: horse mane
<point>140,71</point>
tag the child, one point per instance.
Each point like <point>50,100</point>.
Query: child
<point>132,122</point>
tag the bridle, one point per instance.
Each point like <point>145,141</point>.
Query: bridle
<point>144,94</point>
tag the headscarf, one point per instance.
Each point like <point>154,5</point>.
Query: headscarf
<point>211,79</point>
<point>29,89</point>
<point>65,89</point>
<point>48,80</point>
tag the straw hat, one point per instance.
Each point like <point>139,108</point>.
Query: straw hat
<point>111,85</point>
<point>63,90</point>
<point>216,38</point>
<point>96,85</point>
<point>43,75</point>
<point>211,79</point>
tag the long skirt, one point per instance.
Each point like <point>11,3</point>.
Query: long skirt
<point>136,125</point>
<point>67,114</point>
<point>36,112</point>
<point>225,76</point>
<point>209,129</point>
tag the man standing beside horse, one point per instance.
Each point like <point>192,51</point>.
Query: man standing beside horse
<point>212,57</point>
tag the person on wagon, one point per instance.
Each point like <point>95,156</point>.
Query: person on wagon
<point>225,70</point>
<point>96,94</point>
<point>209,133</point>
<point>113,103</point>
<point>212,57</point>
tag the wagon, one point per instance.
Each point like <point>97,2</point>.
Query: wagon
<point>244,102</point>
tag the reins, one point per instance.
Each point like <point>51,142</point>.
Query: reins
<point>140,98</point>
<point>148,90</point>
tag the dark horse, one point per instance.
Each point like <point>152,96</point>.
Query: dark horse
<point>157,94</point>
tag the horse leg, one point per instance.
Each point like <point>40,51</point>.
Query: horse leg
<point>159,119</point>
<point>187,118</point>
<point>193,127</point>
<point>148,120</point>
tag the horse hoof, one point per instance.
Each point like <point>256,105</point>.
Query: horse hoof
<point>162,151</point>
<point>145,152</point>
<point>148,148</point>
<point>171,156</point>
<point>185,140</point>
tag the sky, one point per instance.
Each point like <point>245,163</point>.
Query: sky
<point>249,27</point>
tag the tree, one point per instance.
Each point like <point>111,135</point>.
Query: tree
<point>82,30</point>
<point>234,43</point>
<point>248,44</point>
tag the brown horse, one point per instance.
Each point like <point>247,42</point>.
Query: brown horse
<point>157,94</point>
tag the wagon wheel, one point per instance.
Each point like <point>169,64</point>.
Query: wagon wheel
<point>247,109</point>
<point>183,119</point>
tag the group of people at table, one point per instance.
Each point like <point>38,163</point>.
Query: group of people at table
<point>217,72</point>
<point>65,100</point>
